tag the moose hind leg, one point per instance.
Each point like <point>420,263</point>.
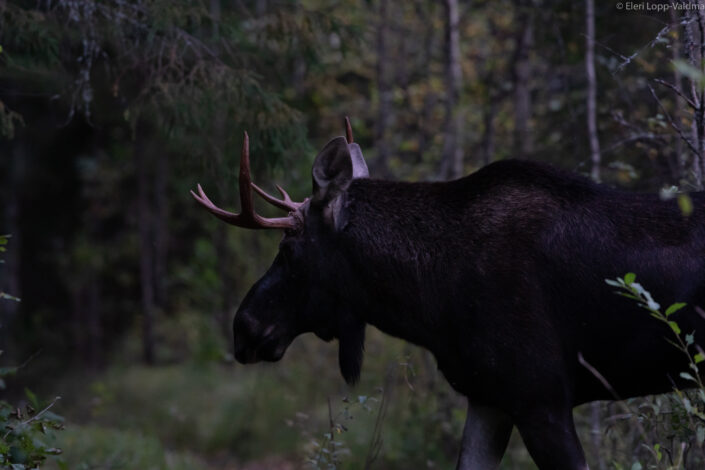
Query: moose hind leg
<point>550,438</point>
<point>485,438</point>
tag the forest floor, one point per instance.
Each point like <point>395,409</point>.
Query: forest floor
<point>215,415</point>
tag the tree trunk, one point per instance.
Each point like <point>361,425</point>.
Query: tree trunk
<point>384,91</point>
<point>223,316</point>
<point>452,156</point>
<point>161,229</point>
<point>693,49</point>
<point>523,142</point>
<point>11,284</point>
<point>215,11</point>
<point>678,165</point>
<point>700,87</point>
<point>591,104</point>
<point>426,51</point>
<point>145,220</point>
<point>86,315</point>
<point>488,136</point>
<point>223,260</point>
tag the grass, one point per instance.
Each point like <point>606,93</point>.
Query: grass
<point>214,415</point>
<point>202,414</point>
<point>96,447</point>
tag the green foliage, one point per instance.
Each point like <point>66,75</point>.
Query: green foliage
<point>94,447</point>
<point>9,119</point>
<point>221,416</point>
<point>689,71</point>
<point>4,239</point>
<point>27,433</point>
<point>327,451</point>
<point>671,428</point>
<point>685,204</point>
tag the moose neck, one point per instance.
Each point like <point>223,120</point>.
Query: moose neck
<point>386,233</point>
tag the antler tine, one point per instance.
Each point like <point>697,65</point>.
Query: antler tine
<point>287,204</point>
<point>348,131</point>
<point>203,200</point>
<point>246,201</point>
<point>247,217</point>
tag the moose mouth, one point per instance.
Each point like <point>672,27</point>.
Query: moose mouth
<point>269,349</point>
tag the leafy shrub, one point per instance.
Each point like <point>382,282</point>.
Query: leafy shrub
<point>668,432</point>
<point>25,431</point>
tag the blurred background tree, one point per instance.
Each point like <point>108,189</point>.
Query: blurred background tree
<point>110,111</point>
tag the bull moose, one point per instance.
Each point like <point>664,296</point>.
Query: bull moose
<point>500,275</point>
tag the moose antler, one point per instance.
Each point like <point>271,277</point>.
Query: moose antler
<point>348,131</point>
<point>247,217</point>
<point>287,204</point>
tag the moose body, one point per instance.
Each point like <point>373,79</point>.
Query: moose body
<point>501,275</point>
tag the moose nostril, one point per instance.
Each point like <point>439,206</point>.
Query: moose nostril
<point>268,331</point>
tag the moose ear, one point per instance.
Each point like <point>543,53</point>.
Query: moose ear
<point>335,167</point>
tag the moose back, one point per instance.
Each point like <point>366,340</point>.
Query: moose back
<point>499,274</point>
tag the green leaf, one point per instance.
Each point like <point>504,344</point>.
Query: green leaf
<point>674,308</point>
<point>629,278</point>
<point>5,371</point>
<point>699,357</point>
<point>674,326</point>
<point>51,416</point>
<point>685,204</point>
<point>690,339</point>
<point>32,398</point>
<point>687,376</point>
<point>689,71</point>
<point>629,296</point>
<point>687,405</point>
<point>636,466</point>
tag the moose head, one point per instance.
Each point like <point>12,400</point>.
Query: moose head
<point>297,294</point>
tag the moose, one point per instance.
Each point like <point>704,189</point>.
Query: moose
<point>499,274</point>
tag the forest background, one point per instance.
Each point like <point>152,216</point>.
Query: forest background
<point>111,111</point>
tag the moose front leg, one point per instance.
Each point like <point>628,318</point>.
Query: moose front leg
<point>485,438</point>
